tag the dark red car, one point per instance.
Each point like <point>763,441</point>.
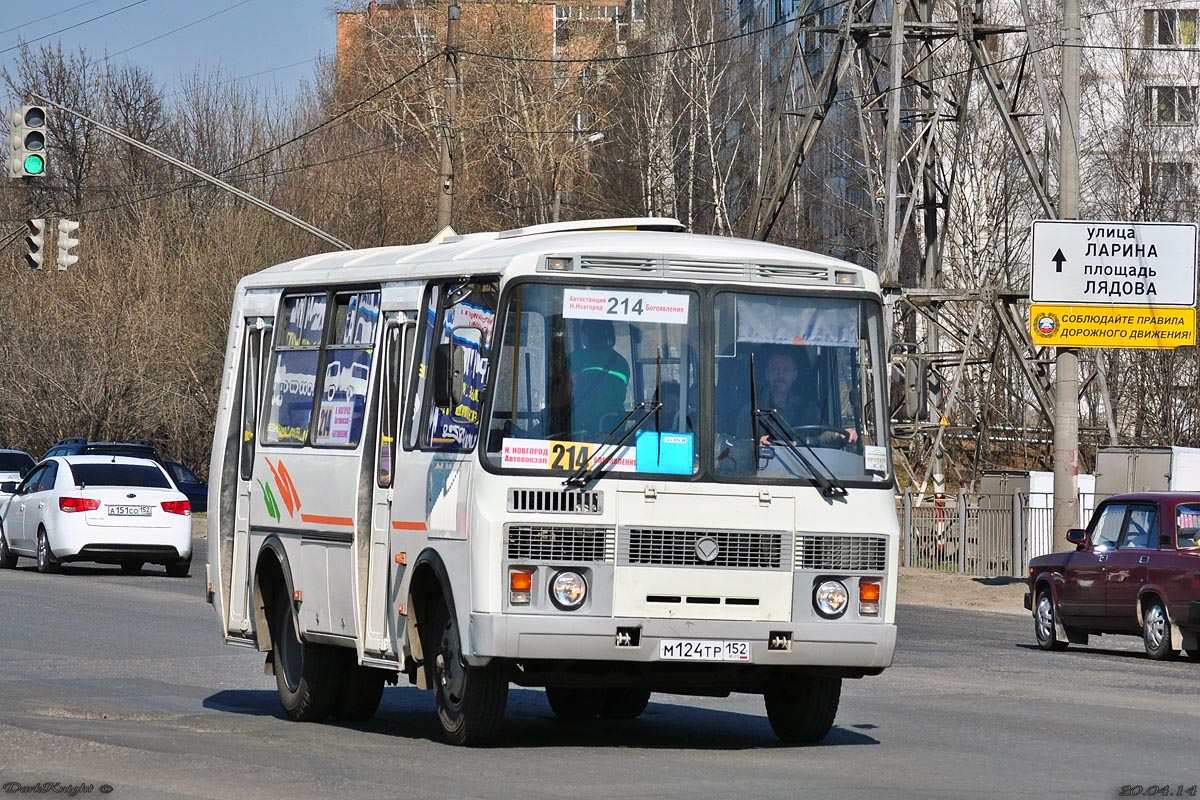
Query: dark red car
<point>1135,570</point>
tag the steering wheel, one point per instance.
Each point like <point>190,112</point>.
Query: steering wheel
<point>809,432</point>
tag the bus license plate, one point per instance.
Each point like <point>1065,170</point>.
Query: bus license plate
<point>129,511</point>
<point>702,650</point>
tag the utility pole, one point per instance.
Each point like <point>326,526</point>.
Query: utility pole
<point>445,204</point>
<point>1066,360</point>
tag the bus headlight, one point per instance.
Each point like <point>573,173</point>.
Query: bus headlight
<point>568,590</point>
<point>830,599</point>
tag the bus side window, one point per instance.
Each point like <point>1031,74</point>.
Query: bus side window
<point>294,372</point>
<point>398,346</point>
<point>462,331</point>
<point>426,321</point>
<point>251,386</point>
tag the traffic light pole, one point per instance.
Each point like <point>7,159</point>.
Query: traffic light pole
<point>249,198</point>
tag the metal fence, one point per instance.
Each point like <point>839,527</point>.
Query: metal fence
<point>980,534</point>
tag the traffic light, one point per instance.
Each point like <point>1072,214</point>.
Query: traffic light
<point>36,240</point>
<point>27,142</point>
<point>66,241</point>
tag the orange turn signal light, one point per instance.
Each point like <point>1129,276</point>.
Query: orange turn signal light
<point>868,592</point>
<point>519,581</point>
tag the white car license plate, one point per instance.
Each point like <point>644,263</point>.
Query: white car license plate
<point>702,650</point>
<point>129,511</point>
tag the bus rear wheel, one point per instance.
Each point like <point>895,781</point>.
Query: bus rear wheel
<point>624,703</point>
<point>307,675</point>
<point>470,701</point>
<point>573,704</point>
<point>802,710</point>
<point>361,692</point>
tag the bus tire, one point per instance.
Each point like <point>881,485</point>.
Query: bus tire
<point>307,675</point>
<point>624,703</point>
<point>802,711</point>
<point>362,689</point>
<point>470,701</point>
<point>573,703</point>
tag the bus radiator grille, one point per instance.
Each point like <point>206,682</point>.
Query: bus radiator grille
<point>558,543</point>
<point>666,547</point>
<point>555,502</point>
<point>841,553</point>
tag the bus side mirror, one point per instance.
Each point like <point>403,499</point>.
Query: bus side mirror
<point>443,377</point>
<point>8,487</point>
<point>450,382</point>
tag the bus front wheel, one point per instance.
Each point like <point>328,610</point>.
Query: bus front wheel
<point>306,674</point>
<point>470,701</point>
<point>802,711</point>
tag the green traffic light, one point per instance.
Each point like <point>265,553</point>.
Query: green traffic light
<point>34,165</point>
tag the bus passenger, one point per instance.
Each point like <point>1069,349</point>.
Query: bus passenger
<point>601,378</point>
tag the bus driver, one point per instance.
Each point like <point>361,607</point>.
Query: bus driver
<point>601,377</point>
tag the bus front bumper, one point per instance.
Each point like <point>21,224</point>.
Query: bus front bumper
<point>543,637</point>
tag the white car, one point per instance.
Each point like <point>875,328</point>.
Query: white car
<point>109,509</point>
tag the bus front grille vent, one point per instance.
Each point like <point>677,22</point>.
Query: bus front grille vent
<point>679,268</point>
<point>549,501</point>
<point>667,547</point>
<point>841,553</point>
<point>559,543</point>
<point>792,272</point>
<point>619,265</point>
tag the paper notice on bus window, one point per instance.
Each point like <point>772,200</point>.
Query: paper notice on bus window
<point>627,306</point>
<point>875,458</point>
<point>334,423</point>
<point>569,456</point>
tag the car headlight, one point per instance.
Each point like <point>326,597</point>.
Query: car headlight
<point>831,599</point>
<point>568,590</point>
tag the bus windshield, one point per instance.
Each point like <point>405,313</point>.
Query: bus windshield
<point>812,364</point>
<point>577,359</point>
<point>592,373</point>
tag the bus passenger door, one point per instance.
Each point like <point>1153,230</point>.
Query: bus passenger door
<point>258,336</point>
<point>397,346</point>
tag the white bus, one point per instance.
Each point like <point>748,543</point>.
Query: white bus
<point>607,458</point>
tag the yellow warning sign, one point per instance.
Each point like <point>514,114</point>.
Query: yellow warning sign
<point>1158,327</point>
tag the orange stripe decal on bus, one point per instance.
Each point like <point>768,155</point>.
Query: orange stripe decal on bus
<point>319,519</point>
<point>408,526</point>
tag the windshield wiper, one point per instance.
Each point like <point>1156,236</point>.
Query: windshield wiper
<point>827,480</point>
<point>586,474</point>
<point>825,477</point>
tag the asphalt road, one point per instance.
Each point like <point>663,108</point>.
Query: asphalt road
<point>122,680</point>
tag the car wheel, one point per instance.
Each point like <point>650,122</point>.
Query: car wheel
<point>1043,623</point>
<point>1156,631</point>
<point>131,567</point>
<point>573,703</point>
<point>180,567</point>
<point>46,562</point>
<point>470,701</point>
<point>8,559</point>
<point>362,689</point>
<point>802,711</point>
<point>307,675</point>
<point>624,703</point>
